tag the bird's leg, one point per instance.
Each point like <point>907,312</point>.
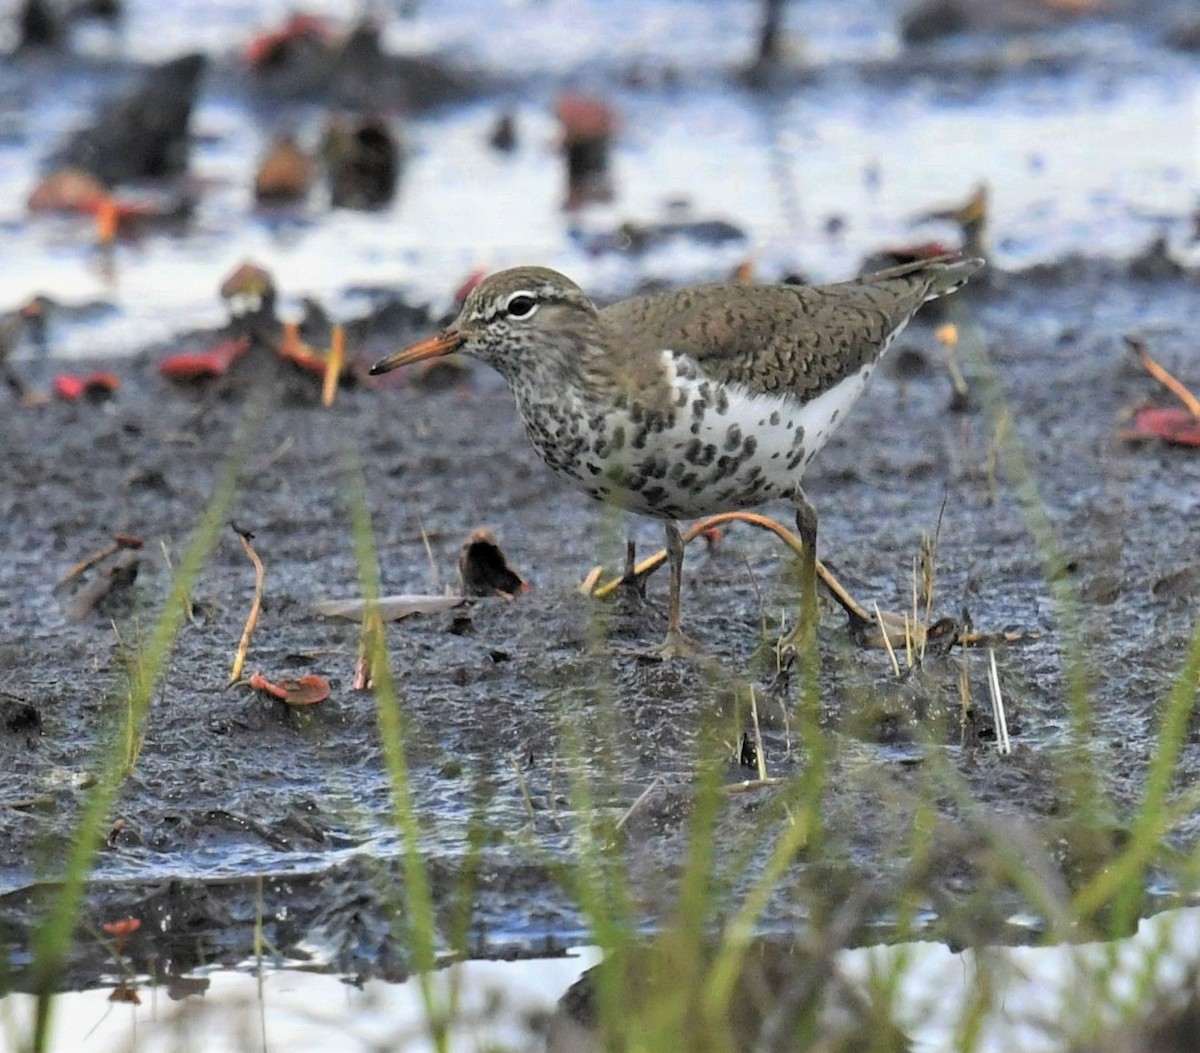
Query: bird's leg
<point>804,635</point>
<point>676,645</point>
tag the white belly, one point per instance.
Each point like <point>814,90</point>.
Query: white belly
<point>718,450</point>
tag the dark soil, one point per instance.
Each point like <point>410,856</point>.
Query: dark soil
<point>503,699</point>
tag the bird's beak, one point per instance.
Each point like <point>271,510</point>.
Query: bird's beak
<point>446,342</point>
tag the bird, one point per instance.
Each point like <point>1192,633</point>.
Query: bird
<point>690,402</point>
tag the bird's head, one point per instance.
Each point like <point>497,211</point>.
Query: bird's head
<point>509,320</point>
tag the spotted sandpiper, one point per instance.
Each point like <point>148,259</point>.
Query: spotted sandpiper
<point>707,399</point>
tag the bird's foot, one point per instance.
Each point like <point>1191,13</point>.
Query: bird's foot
<point>799,644</point>
<point>675,645</point>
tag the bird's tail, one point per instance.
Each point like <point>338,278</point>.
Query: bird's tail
<point>941,275</point>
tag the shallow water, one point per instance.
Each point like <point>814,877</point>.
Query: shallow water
<point>1041,999</point>
<point>1096,159</point>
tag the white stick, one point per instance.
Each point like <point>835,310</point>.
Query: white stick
<point>1003,744</point>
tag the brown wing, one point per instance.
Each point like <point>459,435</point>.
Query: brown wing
<point>782,338</point>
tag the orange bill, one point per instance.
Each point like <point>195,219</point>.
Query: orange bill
<point>446,342</point>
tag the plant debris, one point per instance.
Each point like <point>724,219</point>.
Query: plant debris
<point>112,580</point>
<point>239,657</point>
<point>204,365</point>
<point>97,385</point>
<point>1171,424</point>
<point>307,690</point>
<point>389,608</point>
<point>119,542</point>
<point>484,569</point>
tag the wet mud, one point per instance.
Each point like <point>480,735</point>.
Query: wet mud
<point>237,800</point>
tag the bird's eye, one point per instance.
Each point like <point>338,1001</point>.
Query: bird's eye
<point>521,306</point>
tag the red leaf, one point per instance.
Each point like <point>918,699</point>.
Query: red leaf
<point>307,691</point>
<point>262,49</point>
<point>68,387</point>
<point>202,365</point>
<point>121,928</point>
<point>1172,424</point>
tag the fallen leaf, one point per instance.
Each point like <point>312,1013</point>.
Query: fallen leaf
<point>1171,424</point>
<point>484,568</point>
<point>308,690</point>
<point>389,608</point>
<point>120,575</point>
<point>204,365</point>
<point>124,993</point>
<point>121,929</point>
<point>71,388</point>
<point>267,48</point>
<point>68,387</point>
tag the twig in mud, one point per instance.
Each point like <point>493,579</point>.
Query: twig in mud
<point>929,554</point>
<point>916,620</point>
<point>964,695</point>
<point>759,753</point>
<point>434,580</point>
<point>364,672</point>
<point>887,643</point>
<point>239,658</point>
<point>1160,374</point>
<point>758,597</point>
<point>588,585</point>
<point>275,455</point>
<point>641,799</point>
<point>1003,744</point>
<point>749,785</point>
<point>705,526</point>
<point>860,618</point>
<point>293,349</point>
<point>334,365</point>
<point>553,778</point>
<point>974,639</point>
<point>524,789</point>
<point>117,576</point>
<point>119,542</point>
